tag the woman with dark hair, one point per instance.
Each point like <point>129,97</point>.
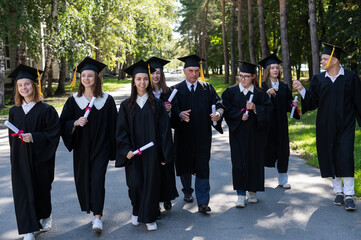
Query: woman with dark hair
<point>247,121</point>
<point>32,153</point>
<point>162,91</point>
<point>91,138</point>
<point>278,149</point>
<point>142,119</point>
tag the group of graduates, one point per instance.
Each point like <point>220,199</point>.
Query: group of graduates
<point>255,114</point>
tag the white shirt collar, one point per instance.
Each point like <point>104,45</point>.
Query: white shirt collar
<point>333,79</point>
<point>27,106</point>
<point>190,84</point>
<point>83,102</point>
<point>275,85</point>
<point>141,100</point>
<point>246,90</point>
<point>157,95</point>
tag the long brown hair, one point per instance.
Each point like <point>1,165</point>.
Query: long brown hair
<point>266,76</point>
<point>134,94</point>
<point>162,83</point>
<point>97,89</point>
<point>36,97</point>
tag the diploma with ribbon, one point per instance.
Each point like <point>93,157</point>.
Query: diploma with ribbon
<point>171,96</point>
<point>293,109</point>
<point>214,114</point>
<point>16,131</point>
<point>89,108</point>
<point>140,150</point>
<point>250,100</point>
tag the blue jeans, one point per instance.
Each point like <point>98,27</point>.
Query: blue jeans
<point>202,188</point>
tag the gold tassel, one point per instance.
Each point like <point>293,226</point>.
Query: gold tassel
<point>329,60</point>
<point>39,83</point>
<point>201,70</point>
<point>72,84</point>
<point>150,76</point>
<point>260,77</point>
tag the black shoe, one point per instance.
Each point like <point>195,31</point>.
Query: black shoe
<point>167,206</point>
<point>349,203</point>
<point>339,200</point>
<point>188,198</point>
<point>204,208</point>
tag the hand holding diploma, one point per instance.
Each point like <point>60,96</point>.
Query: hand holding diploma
<point>215,115</point>
<point>294,107</point>
<point>27,137</point>
<point>250,105</point>
<point>140,150</point>
<point>88,109</point>
<point>172,96</point>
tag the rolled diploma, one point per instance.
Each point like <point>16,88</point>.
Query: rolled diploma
<point>293,109</point>
<point>151,144</point>
<point>11,126</point>
<point>86,114</point>
<point>214,114</point>
<point>250,100</point>
<point>172,95</point>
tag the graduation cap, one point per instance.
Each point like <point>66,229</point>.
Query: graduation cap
<point>271,59</point>
<point>193,61</point>
<point>247,67</point>
<point>156,62</point>
<point>333,51</point>
<point>88,64</point>
<point>140,67</point>
<point>23,71</point>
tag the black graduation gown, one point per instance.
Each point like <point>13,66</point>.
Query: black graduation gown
<point>93,146</point>
<point>338,104</point>
<point>193,139</point>
<point>143,171</point>
<point>32,164</point>
<point>247,138</point>
<point>277,138</point>
<point>168,189</point>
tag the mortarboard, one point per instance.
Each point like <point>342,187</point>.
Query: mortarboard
<point>248,67</point>
<point>193,61</point>
<point>23,71</point>
<point>88,64</point>
<point>271,59</point>
<point>140,67</point>
<point>156,62</point>
<point>333,51</point>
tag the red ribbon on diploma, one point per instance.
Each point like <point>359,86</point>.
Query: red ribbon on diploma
<point>244,109</point>
<point>167,102</point>
<point>88,108</point>
<point>298,110</point>
<point>139,152</point>
<point>18,134</point>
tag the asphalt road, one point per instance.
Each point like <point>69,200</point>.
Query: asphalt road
<point>304,212</point>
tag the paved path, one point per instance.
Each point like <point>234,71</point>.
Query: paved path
<point>304,212</point>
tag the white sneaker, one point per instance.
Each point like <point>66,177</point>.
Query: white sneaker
<point>135,220</point>
<point>152,226</point>
<point>29,236</point>
<point>46,223</point>
<point>285,186</point>
<point>97,225</point>
<point>241,201</point>
<point>252,198</point>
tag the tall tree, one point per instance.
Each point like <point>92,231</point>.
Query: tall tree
<point>204,38</point>
<point>240,35</point>
<point>224,38</point>
<point>233,43</point>
<point>314,38</point>
<point>262,30</point>
<point>2,79</point>
<point>251,33</point>
<point>287,75</point>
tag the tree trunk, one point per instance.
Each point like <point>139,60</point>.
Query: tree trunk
<point>61,84</point>
<point>285,47</point>
<point>314,39</point>
<point>239,22</point>
<point>225,51</point>
<point>262,29</point>
<point>252,53</point>
<point>233,50</point>
<point>2,78</point>
<point>49,90</point>
<point>204,37</point>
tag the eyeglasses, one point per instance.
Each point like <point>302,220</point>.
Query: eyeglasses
<point>244,76</point>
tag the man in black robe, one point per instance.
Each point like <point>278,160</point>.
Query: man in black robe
<point>336,94</point>
<point>193,134</point>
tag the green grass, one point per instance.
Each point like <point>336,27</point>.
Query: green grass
<point>109,84</point>
<point>303,133</point>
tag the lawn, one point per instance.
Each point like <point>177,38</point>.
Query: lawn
<point>302,134</point>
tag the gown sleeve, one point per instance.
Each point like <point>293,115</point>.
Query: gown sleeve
<point>232,114</point>
<point>112,111</point>
<point>264,108</point>
<point>48,136</point>
<point>165,134</point>
<point>310,102</point>
<point>67,119</point>
<point>122,133</point>
<point>215,99</point>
